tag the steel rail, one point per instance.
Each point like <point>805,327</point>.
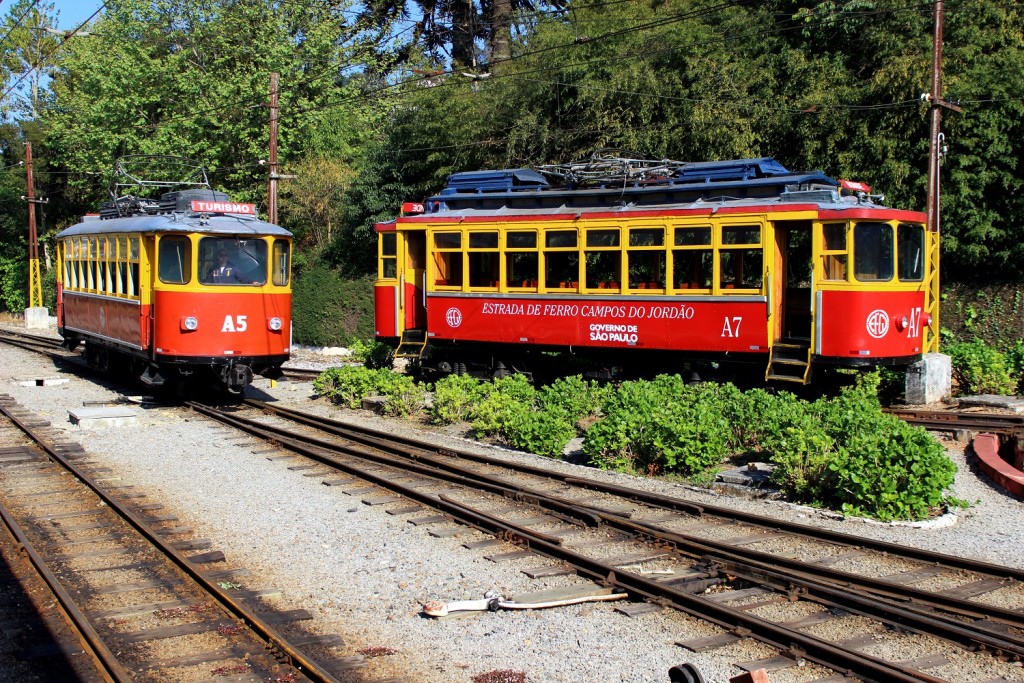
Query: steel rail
<point>801,645</point>
<point>310,668</point>
<point>912,602</point>
<point>109,667</point>
<point>353,433</point>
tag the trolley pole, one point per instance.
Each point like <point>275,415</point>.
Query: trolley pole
<point>35,287</point>
<point>272,190</point>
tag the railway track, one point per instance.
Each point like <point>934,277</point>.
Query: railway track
<point>753,577</point>
<point>147,602</point>
<point>944,420</point>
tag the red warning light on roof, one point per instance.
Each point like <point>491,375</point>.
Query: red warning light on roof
<point>200,206</point>
<point>855,186</point>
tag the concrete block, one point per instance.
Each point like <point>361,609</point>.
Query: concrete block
<point>930,380</point>
<point>101,418</point>
<point>758,676</point>
<point>37,318</point>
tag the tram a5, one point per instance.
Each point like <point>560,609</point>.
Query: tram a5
<point>190,288</point>
<point>657,266</point>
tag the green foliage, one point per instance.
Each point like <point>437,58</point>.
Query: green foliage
<point>14,283</point>
<point>660,426</point>
<point>501,406</point>
<point>350,384</point>
<point>329,310</point>
<point>373,354</point>
<point>981,369</point>
<point>454,398</point>
<point>542,432</point>
<point>574,397</point>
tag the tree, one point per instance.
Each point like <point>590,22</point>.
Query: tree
<point>28,51</point>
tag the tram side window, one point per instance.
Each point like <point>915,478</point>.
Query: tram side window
<point>872,252</point>
<point>603,259</point>
<point>388,255</point>
<point>521,262</point>
<point>133,266</point>
<point>833,257</point>
<point>910,256</point>
<point>484,260</point>
<point>741,259</point>
<point>645,260</point>
<point>448,259</point>
<point>281,263</point>
<point>175,260</point>
<point>561,260</point>
<point>692,258</point>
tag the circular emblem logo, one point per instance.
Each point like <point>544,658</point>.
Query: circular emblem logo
<point>877,323</point>
<point>453,317</point>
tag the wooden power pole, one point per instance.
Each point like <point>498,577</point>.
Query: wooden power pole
<point>35,286</point>
<point>936,149</point>
<point>272,190</point>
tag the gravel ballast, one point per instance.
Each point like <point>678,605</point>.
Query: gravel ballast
<point>364,573</point>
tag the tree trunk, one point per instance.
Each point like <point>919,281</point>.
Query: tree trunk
<point>501,27</point>
<point>463,29</point>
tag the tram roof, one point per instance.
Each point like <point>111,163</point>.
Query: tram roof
<point>218,224</point>
<point>673,186</point>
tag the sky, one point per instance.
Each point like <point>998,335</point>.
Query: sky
<point>74,12</point>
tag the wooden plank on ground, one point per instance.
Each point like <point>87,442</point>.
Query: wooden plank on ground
<point>708,643</point>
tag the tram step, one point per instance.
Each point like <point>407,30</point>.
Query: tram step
<point>412,344</point>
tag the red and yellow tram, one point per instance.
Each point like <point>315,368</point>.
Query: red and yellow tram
<point>190,287</point>
<point>659,263</point>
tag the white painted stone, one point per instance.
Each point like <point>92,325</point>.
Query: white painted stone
<point>45,382</point>
<point>101,418</point>
<point>37,318</point>
<point>930,380</point>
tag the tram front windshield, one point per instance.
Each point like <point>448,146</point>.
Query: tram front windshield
<point>232,261</point>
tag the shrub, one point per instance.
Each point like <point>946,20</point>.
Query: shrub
<point>329,310</point>
<point>454,397</point>
<point>573,396</point>
<point>373,354</point>
<point>660,426</point>
<point>541,432</point>
<point>981,369</point>
<point>501,405</point>
<point>348,385</point>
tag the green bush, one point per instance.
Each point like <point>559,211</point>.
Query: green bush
<point>981,369</point>
<point>373,354</point>
<point>504,401</point>
<point>573,396</point>
<point>1015,357</point>
<point>542,432</point>
<point>350,384</point>
<point>660,426</point>
<point>454,397</point>
<point>329,310</point>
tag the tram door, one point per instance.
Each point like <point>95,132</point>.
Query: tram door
<point>414,282</point>
<point>793,263</point>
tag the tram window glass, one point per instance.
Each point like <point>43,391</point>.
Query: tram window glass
<point>388,255</point>
<point>692,268</point>
<point>645,260</point>
<point>741,268</point>
<point>521,262</point>
<point>603,259</point>
<point>281,263</point>
<point>910,255</point>
<point>448,259</point>
<point>833,257</point>
<point>872,252</point>
<point>692,259</point>
<point>175,260</point>
<point>246,261</point>
<point>560,239</point>
<point>521,240</point>
<point>133,270</point>
<point>741,234</point>
<point>561,269</point>
<point>692,237</point>
<point>483,259</point>
<point>92,263</point>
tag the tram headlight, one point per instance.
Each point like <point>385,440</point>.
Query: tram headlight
<point>275,324</point>
<point>901,323</point>
<point>190,323</point>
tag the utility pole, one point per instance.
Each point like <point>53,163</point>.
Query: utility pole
<point>272,190</point>
<point>35,287</point>
<point>936,150</point>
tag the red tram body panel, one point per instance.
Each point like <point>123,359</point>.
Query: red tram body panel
<point>657,262</point>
